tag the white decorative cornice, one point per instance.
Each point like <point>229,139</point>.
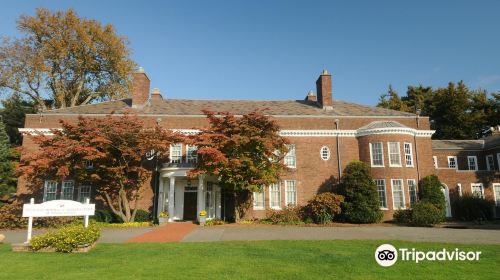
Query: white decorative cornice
<point>290,133</point>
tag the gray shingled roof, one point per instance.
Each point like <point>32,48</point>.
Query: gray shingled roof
<point>458,144</point>
<point>194,107</point>
<point>492,141</point>
<point>382,124</point>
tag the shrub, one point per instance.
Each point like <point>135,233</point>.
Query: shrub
<point>10,216</point>
<point>324,207</point>
<point>214,222</point>
<point>142,216</point>
<point>67,238</point>
<point>104,216</point>
<point>403,216</point>
<point>425,213</point>
<point>429,189</point>
<point>472,208</point>
<point>360,193</point>
<point>288,215</point>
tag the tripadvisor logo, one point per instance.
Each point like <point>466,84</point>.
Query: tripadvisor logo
<point>387,255</point>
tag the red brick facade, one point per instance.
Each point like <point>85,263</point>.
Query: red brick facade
<point>326,127</point>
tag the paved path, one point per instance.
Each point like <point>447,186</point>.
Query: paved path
<point>108,235</point>
<point>225,233</point>
<point>170,232</point>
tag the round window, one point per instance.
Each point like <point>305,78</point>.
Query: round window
<point>325,153</point>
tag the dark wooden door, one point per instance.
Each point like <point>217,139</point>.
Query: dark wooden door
<point>190,201</point>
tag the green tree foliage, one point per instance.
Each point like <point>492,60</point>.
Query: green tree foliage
<point>245,153</point>
<point>68,59</point>
<point>455,111</point>
<point>361,202</point>
<point>429,190</point>
<point>7,178</point>
<point>13,115</point>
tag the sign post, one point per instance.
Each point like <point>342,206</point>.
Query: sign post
<point>57,208</point>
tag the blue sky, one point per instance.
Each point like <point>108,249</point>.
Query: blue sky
<point>276,49</point>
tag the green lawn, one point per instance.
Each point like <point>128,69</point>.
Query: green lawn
<point>244,260</point>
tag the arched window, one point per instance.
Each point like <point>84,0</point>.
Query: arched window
<point>325,153</point>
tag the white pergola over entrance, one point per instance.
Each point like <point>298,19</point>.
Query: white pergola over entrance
<point>184,198</point>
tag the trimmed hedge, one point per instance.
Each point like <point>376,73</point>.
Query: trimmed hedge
<point>142,216</point>
<point>472,208</point>
<point>402,216</point>
<point>288,215</point>
<point>324,207</point>
<point>426,214</point>
<point>67,238</point>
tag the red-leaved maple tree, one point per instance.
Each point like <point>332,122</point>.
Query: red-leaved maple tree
<point>116,146</point>
<point>245,153</point>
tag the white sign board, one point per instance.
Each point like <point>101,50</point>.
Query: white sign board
<point>58,208</point>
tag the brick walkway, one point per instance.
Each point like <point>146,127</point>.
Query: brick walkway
<point>170,232</point>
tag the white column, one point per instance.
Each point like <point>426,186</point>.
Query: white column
<point>30,223</point>
<point>200,196</point>
<point>171,199</point>
<point>160,199</point>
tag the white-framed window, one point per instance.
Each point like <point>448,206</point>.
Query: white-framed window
<point>290,193</point>
<point>412,191</point>
<point>89,164</point>
<point>84,192</point>
<point>258,200</point>
<point>408,155</point>
<point>49,190</point>
<point>394,154</point>
<point>176,153</point>
<point>490,162</point>
<point>377,154</point>
<point>435,161</point>
<point>275,196</point>
<point>191,155</point>
<point>452,162</point>
<point>381,192</point>
<point>398,194</point>
<point>477,189</point>
<point>290,158</point>
<point>67,190</point>
<point>472,161</point>
<point>496,193</point>
<point>324,153</point>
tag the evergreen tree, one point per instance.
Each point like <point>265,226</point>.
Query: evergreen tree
<point>361,204</point>
<point>391,100</point>
<point>7,179</point>
<point>13,115</point>
<point>429,190</point>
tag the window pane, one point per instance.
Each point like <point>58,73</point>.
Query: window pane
<point>472,163</point>
<point>176,153</point>
<point>258,200</point>
<point>397,194</point>
<point>412,190</point>
<point>381,192</point>
<point>452,162</point>
<point>477,190</point>
<point>377,154</point>
<point>291,193</point>
<point>84,193</point>
<point>275,198</point>
<point>67,190</point>
<point>191,156</point>
<point>394,154</point>
<point>290,156</point>
<point>50,190</point>
<point>408,154</point>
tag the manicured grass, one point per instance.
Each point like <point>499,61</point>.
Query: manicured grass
<point>245,260</point>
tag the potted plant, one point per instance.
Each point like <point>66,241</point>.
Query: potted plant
<point>203,217</point>
<point>163,217</point>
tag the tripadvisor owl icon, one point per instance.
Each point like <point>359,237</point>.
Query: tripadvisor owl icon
<point>386,255</point>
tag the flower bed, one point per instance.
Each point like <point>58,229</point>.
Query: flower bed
<point>66,239</point>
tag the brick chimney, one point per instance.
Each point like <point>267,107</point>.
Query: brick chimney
<point>324,90</point>
<point>156,94</point>
<point>140,88</point>
<point>311,96</point>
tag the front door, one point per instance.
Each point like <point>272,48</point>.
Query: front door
<point>190,203</point>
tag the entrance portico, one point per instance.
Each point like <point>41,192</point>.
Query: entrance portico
<point>183,198</point>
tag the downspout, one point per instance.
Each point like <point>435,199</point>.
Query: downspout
<point>337,121</point>
<point>416,148</point>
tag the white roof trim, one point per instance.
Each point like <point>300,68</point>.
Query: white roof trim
<point>290,133</point>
